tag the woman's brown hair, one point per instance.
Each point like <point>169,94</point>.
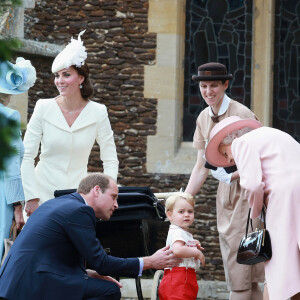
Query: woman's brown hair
<point>87,89</point>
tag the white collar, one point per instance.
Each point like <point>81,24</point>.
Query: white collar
<point>223,108</point>
<point>84,199</point>
<point>173,226</point>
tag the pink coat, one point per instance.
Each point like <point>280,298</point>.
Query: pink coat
<point>268,161</point>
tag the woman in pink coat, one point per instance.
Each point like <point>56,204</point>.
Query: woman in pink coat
<point>268,161</point>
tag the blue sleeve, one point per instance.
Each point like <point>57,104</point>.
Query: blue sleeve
<point>81,229</point>
<point>12,174</point>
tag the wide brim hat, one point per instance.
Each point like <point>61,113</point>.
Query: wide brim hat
<point>16,78</point>
<point>212,71</point>
<point>74,54</point>
<point>219,132</point>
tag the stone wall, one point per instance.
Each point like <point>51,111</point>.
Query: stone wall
<point>119,46</point>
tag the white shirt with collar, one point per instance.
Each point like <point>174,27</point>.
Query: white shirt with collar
<point>223,108</point>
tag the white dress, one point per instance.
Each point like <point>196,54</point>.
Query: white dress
<point>65,150</point>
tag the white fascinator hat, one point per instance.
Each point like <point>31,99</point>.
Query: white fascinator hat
<point>74,54</point>
<point>16,78</point>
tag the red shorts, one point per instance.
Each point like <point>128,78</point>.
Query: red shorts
<point>179,283</point>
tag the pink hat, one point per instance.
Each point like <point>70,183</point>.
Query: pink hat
<point>219,132</point>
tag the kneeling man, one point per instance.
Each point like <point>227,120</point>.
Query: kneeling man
<point>47,259</point>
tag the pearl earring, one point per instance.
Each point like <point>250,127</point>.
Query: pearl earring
<point>80,86</point>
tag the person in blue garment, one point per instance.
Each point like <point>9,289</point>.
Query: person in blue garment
<point>14,79</point>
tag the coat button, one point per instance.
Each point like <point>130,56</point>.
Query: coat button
<point>86,277</point>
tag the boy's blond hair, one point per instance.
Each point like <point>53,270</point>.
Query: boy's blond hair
<point>170,202</point>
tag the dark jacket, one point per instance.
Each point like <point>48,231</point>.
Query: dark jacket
<point>46,260</point>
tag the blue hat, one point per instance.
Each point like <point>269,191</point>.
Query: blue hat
<point>16,78</point>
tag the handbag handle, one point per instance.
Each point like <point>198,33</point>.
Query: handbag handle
<point>262,216</point>
<point>13,230</point>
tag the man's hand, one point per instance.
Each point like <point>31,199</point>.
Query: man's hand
<point>161,259</point>
<point>31,206</point>
<point>18,213</point>
<point>94,274</point>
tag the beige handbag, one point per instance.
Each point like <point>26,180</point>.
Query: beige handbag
<point>9,241</point>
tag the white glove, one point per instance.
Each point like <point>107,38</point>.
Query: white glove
<point>222,175</point>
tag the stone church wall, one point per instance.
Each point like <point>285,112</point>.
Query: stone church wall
<point>119,46</point>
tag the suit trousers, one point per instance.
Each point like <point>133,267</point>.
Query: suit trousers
<point>100,289</point>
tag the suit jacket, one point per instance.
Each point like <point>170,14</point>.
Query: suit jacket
<point>46,260</point>
<point>65,150</point>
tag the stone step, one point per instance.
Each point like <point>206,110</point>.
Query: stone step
<point>208,290</point>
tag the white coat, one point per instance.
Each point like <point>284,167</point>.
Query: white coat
<point>65,150</point>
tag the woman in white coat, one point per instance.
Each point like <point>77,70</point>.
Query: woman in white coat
<point>66,128</point>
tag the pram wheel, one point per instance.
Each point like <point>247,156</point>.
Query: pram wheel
<point>155,284</point>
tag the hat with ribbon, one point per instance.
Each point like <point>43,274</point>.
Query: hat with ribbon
<point>16,78</point>
<point>219,132</point>
<point>212,71</point>
<point>74,54</point>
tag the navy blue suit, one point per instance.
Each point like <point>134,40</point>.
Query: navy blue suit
<point>46,260</point>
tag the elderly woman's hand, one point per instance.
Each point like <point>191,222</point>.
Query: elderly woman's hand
<point>18,213</point>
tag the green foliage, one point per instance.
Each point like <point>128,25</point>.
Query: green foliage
<point>8,128</point>
<point>8,132</point>
<point>10,2</point>
<point>7,47</point>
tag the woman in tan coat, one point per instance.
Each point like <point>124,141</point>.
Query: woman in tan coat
<point>232,206</point>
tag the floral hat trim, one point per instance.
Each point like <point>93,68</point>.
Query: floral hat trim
<point>16,78</point>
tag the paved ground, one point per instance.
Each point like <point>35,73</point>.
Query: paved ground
<point>208,290</point>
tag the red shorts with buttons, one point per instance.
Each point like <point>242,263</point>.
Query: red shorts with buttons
<point>180,283</point>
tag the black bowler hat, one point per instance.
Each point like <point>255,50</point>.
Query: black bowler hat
<point>211,72</point>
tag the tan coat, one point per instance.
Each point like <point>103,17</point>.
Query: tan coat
<point>232,208</point>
